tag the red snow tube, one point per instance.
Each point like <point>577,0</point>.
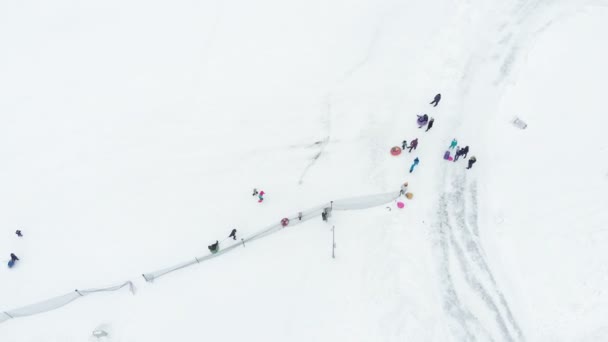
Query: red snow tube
<point>284,222</point>
<point>396,150</point>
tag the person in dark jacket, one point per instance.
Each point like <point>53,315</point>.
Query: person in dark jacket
<point>458,152</point>
<point>18,232</point>
<point>232,234</point>
<point>472,161</point>
<point>404,145</point>
<point>431,122</point>
<point>214,247</point>
<point>413,144</point>
<point>436,100</point>
<point>14,257</point>
<point>465,151</point>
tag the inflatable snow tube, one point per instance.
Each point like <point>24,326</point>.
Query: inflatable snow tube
<point>285,222</point>
<point>409,195</point>
<point>396,150</point>
<point>400,205</point>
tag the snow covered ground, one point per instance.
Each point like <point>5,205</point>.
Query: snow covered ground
<point>132,133</point>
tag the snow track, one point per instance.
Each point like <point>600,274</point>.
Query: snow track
<point>461,256</point>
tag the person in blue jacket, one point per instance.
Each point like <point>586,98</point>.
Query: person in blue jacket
<point>416,161</point>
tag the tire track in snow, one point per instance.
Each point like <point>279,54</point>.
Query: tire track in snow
<point>461,256</point>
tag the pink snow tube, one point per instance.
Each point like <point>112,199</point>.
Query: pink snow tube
<point>396,150</point>
<point>284,222</point>
<point>400,205</point>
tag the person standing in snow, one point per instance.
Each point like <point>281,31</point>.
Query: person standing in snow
<point>404,188</point>
<point>465,151</point>
<point>453,144</point>
<point>18,232</point>
<point>413,144</point>
<point>261,196</point>
<point>430,125</point>
<point>255,192</point>
<point>436,100</point>
<point>14,257</point>
<point>232,234</point>
<point>404,145</point>
<point>458,153</point>
<point>472,161</point>
<point>416,161</point>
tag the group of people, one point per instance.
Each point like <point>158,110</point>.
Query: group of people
<point>14,258</point>
<point>260,195</point>
<point>462,152</point>
<point>423,120</point>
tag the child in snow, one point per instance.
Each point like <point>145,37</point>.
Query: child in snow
<point>404,145</point>
<point>232,234</point>
<point>261,196</point>
<point>413,144</point>
<point>436,100</point>
<point>454,143</point>
<point>472,161</point>
<point>18,232</point>
<point>255,192</point>
<point>416,161</point>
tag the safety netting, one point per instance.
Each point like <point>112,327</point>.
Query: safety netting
<point>59,301</point>
<point>356,203</point>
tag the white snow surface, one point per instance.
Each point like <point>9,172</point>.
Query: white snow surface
<point>132,133</point>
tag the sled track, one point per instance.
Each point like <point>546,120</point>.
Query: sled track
<point>461,256</point>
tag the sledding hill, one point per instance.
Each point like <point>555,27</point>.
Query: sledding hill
<point>133,132</point>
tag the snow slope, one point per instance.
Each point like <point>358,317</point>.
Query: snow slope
<point>132,133</point>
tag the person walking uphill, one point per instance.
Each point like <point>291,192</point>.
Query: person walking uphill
<point>413,144</point>
<point>472,161</point>
<point>436,100</point>
<point>232,234</point>
<point>416,162</point>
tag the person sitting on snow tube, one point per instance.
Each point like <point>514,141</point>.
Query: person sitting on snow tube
<point>14,258</point>
<point>422,120</point>
<point>214,247</point>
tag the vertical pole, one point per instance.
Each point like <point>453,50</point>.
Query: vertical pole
<point>243,241</point>
<point>333,245</point>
